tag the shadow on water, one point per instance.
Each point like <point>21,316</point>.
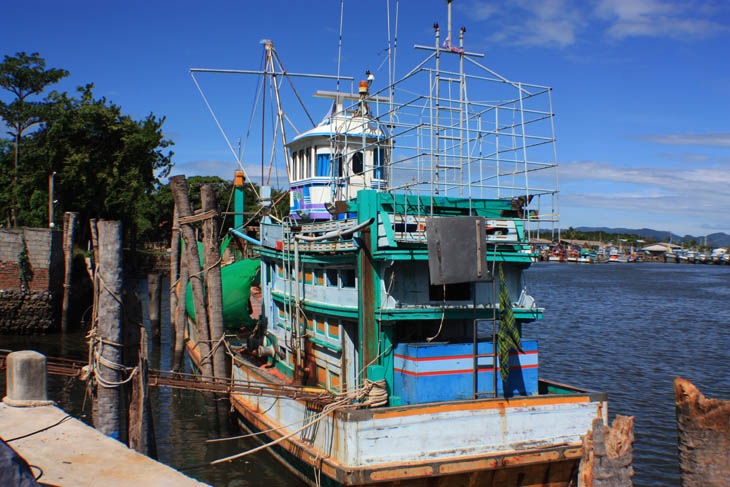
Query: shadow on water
<point>628,330</point>
<point>183,420</point>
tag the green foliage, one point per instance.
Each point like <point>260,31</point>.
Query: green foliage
<point>105,163</point>
<point>24,75</point>
<point>596,236</point>
<point>26,271</point>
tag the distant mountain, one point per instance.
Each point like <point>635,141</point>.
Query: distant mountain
<point>713,240</point>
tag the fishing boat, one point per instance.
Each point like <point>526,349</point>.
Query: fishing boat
<point>394,319</point>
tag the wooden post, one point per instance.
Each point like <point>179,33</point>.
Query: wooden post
<point>108,342</point>
<point>179,189</point>
<point>704,437</point>
<point>174,276</point>
<point>181,318</point>
<point>154,293</point>
<point>141,430</point>
<point>51,200</point>
<point>94,238</point>
<point>212,254</point>
<point>70,221</point>
<point>608,454</point>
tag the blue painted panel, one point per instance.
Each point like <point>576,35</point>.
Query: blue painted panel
<point>431,372</point>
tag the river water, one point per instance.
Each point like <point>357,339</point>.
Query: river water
<point>625,329</point>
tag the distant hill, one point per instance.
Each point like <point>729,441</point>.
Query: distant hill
<point>713,239</point>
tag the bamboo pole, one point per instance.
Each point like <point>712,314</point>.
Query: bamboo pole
<point>154,293</point>
<point>607,454</point>
<point>106,414</point>
<point>70,222</point>
<point>704,437</point>
<point>179,189</point>
<point>212,254</point>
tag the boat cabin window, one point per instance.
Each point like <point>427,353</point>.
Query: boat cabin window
<point>331,277</point>
<point>379,162</point>
<point>294,162</point>
<point>347,277</point>
<point>357,163</point>
<point>323,165</point>
<point>338,164</point>
<point>307,163</point>
<point>301,165</point>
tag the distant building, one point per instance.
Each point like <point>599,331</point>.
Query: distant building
<point>661,248</point>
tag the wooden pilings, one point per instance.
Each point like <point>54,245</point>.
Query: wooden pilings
<point>154,293</point>
<point>704,437</point>
<point>212,255</point>
<point>608,454</point>
<point>175,308</point>
<point>181,318</point>
<point>107,344</point>
<point>70,222</point>
<point>179,189</point>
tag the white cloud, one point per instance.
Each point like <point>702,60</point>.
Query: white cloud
<point>700,193</point>
<point>717,139</point>
<point>653,18</point>
<point>560,23</point>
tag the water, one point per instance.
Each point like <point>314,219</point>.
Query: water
<point>628,330</point>
<point>625,329</point>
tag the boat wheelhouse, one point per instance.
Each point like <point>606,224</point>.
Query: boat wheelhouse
<point>337,158</point>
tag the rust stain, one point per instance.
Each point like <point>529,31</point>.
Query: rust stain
<point>549,456</point>
<point>469,466</point>
<point>573,453</point>
<point>399,473</point>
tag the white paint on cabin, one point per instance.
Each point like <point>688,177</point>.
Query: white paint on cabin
<point>406,284</point>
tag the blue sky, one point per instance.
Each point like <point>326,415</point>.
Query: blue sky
<point>641,88</point>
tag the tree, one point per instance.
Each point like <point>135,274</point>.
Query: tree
<point>106,163</point>
<point>24,75</point>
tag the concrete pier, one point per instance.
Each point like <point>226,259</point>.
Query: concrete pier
<point>74,454</point>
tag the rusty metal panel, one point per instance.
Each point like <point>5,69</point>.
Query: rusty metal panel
<point>457,249</point>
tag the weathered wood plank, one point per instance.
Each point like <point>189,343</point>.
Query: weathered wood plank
<point>608,454</point>
<point>704,437</point>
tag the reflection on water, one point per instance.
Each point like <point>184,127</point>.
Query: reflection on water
<point>625,329</point>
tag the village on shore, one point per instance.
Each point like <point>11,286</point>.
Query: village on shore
<point>624,251</point>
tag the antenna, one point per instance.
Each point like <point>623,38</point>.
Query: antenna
<point>448,39</point>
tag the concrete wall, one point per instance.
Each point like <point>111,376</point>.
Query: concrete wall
<point>45,252</point>
<point>34,311</point>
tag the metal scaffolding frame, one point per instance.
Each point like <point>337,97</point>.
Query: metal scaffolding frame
<point>475,135</point>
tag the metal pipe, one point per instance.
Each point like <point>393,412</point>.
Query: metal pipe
<point>295,325</point>
<point>244,236</point>
<point>278,73</point>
